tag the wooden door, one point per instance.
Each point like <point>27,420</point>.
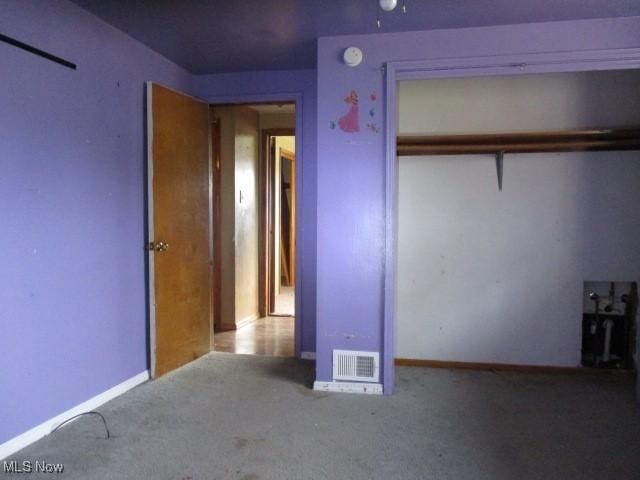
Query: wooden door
<point>180,273</point>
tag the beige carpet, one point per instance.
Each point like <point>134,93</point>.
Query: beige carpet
<point>243,417</point>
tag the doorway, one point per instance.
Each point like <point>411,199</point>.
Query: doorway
<point>254,254</point>
<point>282,225</point>
<point>423,71</point>
<point>211,187</point>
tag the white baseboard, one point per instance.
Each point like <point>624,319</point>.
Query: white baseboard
<point>247,320</point>
<point>36,433</point>
<point>349,387</point>
<point>308,355</point>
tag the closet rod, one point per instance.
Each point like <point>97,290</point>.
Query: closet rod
<point>522,142</point>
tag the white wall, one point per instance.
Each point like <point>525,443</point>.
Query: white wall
<point>239,140</point>
<point>522,102</point>
<point>489,276</point>
<point>246,213</point>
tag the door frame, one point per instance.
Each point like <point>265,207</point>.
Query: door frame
<point>150,223</point>
<point>149,232</point>
<point>277,98</point>
<point>291,157</point>
<point>495,65</point>
<point>266,257</point>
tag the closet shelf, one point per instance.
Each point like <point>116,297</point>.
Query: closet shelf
<point>521,142</point>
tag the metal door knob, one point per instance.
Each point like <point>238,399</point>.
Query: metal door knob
<point>158,246</point>
<point>161,246</point>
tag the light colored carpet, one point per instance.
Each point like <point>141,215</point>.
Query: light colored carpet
<point>242,417</point>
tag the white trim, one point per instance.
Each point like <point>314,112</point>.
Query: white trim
<point>36,433</point>
<point>349,387</point>
<point>247,320</point>
<point>151,234</point>
<point>308,355</point>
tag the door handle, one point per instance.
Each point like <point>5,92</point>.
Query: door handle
<point>158,246</point>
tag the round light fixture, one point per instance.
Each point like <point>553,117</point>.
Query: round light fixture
<point>352,56</point>
<point>388,5</point>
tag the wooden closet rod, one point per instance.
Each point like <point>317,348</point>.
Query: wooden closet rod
<point>524,142</point>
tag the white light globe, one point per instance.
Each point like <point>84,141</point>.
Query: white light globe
<point>388,5</point>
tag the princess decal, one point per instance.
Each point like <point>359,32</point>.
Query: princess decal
<point>349,122</point>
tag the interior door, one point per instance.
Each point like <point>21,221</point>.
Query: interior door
<point>179,206</point>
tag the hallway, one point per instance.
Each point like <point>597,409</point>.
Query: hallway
<point>271,336</point>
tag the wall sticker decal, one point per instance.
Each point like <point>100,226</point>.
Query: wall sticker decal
<point>349,122</point>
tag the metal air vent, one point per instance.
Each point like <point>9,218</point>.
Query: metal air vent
<point>350,365</point>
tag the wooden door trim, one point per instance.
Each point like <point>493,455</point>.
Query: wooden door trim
<point>266,241</point>
<point>291,157</point>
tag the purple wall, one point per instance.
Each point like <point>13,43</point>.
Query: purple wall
<point>351,166</point>
<point>276,85</point>
<point>72,156</point>
<point>72,295</point>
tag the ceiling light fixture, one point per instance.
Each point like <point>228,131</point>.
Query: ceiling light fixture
<point>388,6</point>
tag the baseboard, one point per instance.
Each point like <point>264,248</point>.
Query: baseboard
<point>412,362</point>
<point>308,355</point>
<point>36,433</point>
<point>349,387</point>
<point>247,320</point>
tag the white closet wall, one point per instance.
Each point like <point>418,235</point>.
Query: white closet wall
<point>489,276</point>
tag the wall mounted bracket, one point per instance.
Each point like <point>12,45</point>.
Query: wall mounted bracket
<point>37,51</point>
<point>499,168</point>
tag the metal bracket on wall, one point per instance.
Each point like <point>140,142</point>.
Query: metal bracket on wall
<point>37,51</point>
<point>499,168</point>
